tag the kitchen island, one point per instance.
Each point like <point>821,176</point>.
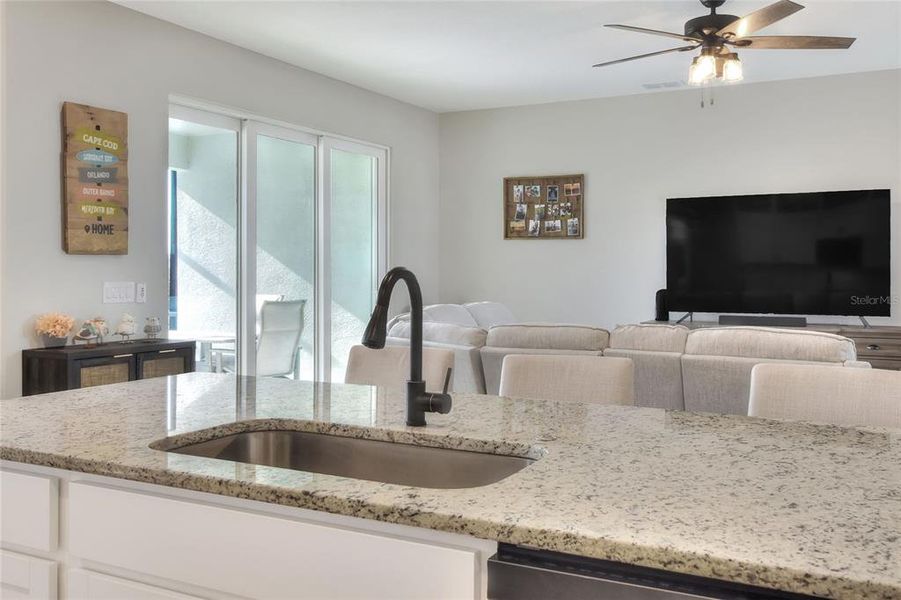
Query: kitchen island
<point>794,507</point>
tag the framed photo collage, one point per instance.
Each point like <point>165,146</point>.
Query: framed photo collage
<point>548,207</point>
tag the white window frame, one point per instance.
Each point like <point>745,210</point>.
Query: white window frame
<point>248,127</point>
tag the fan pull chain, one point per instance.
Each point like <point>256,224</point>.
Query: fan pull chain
<point>705,101</point>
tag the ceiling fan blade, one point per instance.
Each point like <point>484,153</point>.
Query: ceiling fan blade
<point>678,36</point>
<point>759,19</point>
<point>622,60</point>
<point>792,42</point>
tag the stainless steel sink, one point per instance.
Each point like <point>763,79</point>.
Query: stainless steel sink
<point>388,462</point>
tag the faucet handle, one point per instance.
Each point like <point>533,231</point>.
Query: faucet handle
<point>447,379</point>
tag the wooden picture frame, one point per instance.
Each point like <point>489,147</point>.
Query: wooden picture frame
<point>94,180</point>
<point>547,207</point>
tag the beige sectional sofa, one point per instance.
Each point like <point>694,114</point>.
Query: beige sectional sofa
<point>707,370</point>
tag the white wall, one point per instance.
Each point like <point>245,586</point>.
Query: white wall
<point>819,134</point>
<point>108,56</point>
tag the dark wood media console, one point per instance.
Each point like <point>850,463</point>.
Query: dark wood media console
<point>78,366</point>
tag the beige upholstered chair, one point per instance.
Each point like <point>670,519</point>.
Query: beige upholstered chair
<point>537,339</point>
<point>575,378</point>
<point>716,366</point>
<point>390,366</point>
<point>847,397</point>
<point>454,327</point>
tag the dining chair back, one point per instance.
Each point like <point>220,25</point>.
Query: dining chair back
<point>846,397</point>
<point>575,378</point>
<point>390,366</point>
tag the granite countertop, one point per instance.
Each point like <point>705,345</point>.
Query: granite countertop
<point>797,507</point>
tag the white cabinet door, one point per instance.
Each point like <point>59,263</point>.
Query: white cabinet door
<point>258,555</point>
<point>25,577</point>
<point>29,510</point>
<point>87,585</point>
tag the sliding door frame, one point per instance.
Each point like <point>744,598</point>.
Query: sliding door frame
<point>247,243</point>
<point>248,127</point>
<point>201,116</point>
<point>323,249</point>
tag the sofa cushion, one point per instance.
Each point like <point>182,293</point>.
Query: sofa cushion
<point>650,337</point>
<point>776,344</point>
<point>658,377</point>
<point>445,333</point>
<point>489,314</point>
<point>548,336</point>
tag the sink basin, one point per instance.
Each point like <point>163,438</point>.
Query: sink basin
<point>373,460</point>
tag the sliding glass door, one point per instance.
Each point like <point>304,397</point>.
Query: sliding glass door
<point>304,237</point>
<point>353,176</point>
<point>281,229</point>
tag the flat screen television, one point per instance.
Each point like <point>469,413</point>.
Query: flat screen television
<point>822,253</point>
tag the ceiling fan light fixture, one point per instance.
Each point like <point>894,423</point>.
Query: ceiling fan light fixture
<point>702,70</point>
<point>732,68</point>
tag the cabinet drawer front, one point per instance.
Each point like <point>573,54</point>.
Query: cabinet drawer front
<point>113,372</point>
<point>26,577</point>
<point>876,347</point>
<point>87,585</point>
<point>29,511</point>
<point>257,555</point>
<point>161,367</point>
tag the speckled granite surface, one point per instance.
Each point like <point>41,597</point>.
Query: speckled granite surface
<point>798,507</point>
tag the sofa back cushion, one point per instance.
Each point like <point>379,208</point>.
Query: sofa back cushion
<point>548,336</point>
<point>650,338</point>
<point>489,314</point>
<point>769,343</point>
<point>445,333</point>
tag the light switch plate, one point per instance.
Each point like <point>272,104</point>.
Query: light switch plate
<point>118,292</point>
<point>141,293</point>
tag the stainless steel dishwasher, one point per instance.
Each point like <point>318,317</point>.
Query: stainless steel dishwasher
<point>518,573</point>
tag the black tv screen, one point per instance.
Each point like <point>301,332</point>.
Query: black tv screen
<point>822,253</point>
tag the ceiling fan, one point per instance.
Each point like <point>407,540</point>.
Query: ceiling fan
<point>719,35</point>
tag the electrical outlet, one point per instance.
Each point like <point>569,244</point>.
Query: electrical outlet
<point>141,293</point>
<point>118,292</point>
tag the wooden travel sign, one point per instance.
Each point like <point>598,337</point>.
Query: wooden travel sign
<point>95,180</point>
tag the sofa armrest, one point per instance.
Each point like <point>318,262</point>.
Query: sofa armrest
<point>857,364</point>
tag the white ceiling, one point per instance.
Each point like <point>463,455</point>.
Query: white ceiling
<point>451,56</point>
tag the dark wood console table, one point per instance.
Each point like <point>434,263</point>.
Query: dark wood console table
<point>85,365</point>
